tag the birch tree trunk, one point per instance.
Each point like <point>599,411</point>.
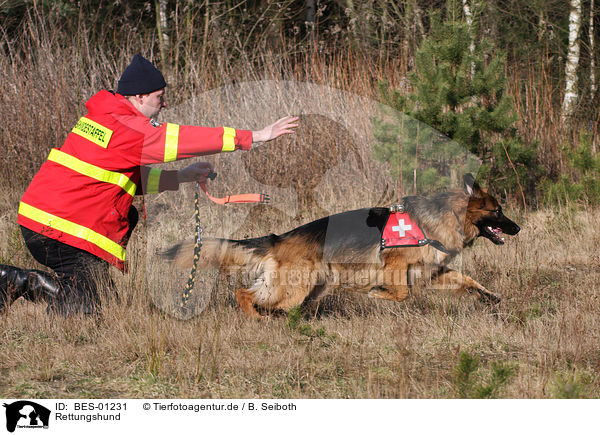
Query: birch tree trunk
<point>592,51</point>
<point>415,30</point>
<point>572,59</point>
<point>161,28</point>
<point>311,15</point>
<point>351,11</point>
<point>592,69</point>
<point>205,32</point>
<point>311,11</point>
<point>469,18</point>
<point>419,21</point>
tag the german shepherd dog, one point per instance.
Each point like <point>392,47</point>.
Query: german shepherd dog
<point>345,251</point>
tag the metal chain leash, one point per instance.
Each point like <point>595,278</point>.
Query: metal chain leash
<point>187,292</point>
<point>243,198</point>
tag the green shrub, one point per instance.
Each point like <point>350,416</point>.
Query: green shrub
<point>470,383</point>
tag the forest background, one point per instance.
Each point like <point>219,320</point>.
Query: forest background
<point>542,54</point>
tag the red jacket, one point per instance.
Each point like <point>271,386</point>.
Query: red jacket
<point>82,194</point>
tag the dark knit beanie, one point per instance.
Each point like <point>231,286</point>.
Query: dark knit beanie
<point>140,77</point>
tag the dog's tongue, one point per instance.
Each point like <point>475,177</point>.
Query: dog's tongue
<point>497,232</point>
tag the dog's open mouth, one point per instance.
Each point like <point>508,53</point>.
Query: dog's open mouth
<point>493,233</point>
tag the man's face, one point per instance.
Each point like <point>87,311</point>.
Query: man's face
<point>152,103</point>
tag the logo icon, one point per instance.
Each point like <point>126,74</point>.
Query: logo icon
<point>26,414</point>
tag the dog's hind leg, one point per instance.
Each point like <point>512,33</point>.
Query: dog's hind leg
<point>245,299</point>
<point>394,284</point>
<point>451,280</point>
<point>311,302</point>
<point>397,294</point>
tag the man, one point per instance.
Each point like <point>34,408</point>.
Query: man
<point>76,216</point>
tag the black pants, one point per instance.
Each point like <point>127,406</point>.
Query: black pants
<point>82,277</point>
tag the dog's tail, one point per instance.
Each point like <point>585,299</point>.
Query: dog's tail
<point>218,252</point>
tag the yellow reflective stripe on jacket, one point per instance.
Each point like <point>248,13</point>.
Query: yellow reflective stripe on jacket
<point>228,139</point>
<point>93,171</point>
<point>171,142</point>
<point>72,229</point>
<point>93,131</point>
<point>153,180</point>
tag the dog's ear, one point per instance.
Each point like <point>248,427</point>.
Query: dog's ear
<point>470,186</point>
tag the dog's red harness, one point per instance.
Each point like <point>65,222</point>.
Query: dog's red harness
<point>401,231</point>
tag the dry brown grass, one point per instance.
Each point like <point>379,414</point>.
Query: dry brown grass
<point>546,330</point>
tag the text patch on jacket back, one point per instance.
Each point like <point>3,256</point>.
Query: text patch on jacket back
<point>93,131</point>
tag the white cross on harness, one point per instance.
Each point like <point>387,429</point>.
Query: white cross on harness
<point>401,228</point>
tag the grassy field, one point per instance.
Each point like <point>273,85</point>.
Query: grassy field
<point>540,342</point>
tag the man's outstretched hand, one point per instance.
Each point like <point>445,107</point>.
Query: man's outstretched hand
<point>282,126</point>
